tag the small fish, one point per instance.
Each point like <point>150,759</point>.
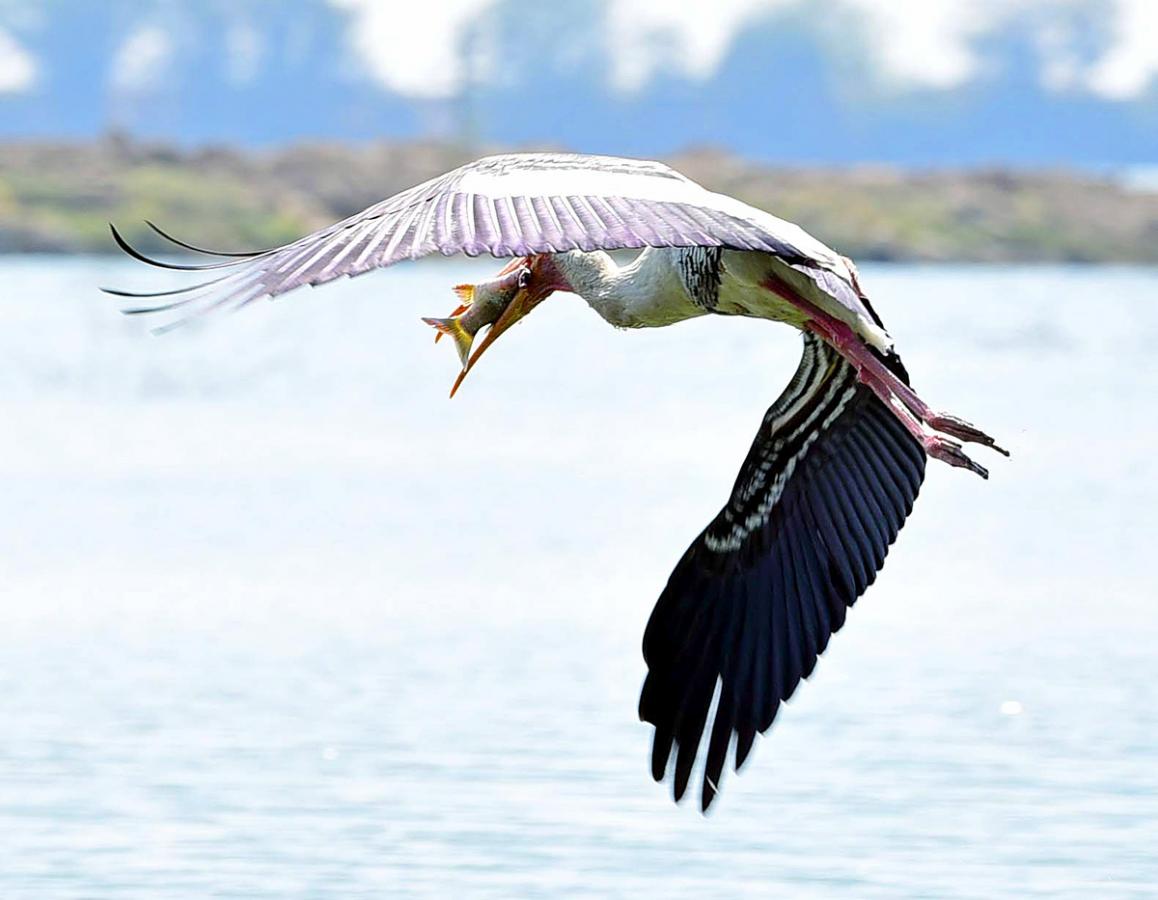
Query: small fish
<point>481,305</point>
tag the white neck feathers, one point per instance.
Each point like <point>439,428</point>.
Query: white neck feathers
<point>645,293</point>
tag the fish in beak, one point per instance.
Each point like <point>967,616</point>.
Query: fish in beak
<point>499,304</point>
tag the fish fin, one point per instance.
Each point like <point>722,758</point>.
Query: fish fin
<point>453,326</point>
<point>465,293</point>
<point>457,311</point>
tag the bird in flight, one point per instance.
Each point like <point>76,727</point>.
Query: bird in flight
<point>829,479</point>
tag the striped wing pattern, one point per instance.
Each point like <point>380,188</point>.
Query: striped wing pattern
<point>506,206</point>
<point>825,489</point>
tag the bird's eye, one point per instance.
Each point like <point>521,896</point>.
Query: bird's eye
<point>524,277</point>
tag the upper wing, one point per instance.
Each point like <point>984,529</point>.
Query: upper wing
<point>823,492</point>
<point>511,205</point>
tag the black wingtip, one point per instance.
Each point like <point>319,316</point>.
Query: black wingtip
<point>150,295</point>
<point>195,249</point>
<point>660,753</point>
<point>117,292</point>
<point>744,742</point>
<point>132,251</point>
<point>127,248</point>
<point>708,795</point>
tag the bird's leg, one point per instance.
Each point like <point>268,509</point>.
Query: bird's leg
<point>921,421</point>
<point>939,421</point>
<point>842,337</point>
<point>936,445</point>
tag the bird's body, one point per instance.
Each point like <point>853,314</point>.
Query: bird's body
<point>663,286</point>
<point>833,471</point>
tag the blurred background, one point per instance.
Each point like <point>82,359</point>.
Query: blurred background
<point>994,130</point>
<point>279,620</point>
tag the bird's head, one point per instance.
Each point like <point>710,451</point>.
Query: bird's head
<point>535,278</point>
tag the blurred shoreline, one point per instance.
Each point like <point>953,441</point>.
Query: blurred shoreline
<point>59,196</point>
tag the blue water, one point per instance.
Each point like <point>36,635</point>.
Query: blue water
<point>277,619</point>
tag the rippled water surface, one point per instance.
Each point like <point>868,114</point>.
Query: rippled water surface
<point>277,619</point>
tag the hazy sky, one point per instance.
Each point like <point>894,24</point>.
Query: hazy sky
<point>931,43</point>
<point>1103,47</point>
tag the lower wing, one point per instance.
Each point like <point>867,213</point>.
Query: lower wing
<point>825,489</point>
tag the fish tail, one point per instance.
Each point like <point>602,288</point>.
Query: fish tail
<point>465,293</point>
<point>453,326</point>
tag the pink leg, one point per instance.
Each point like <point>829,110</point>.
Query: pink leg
<point>936,445</point>
<point>938,421</point>
<point>921,421</point>
<point>842,337</point>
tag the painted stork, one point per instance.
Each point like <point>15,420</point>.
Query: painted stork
<point>833,470</point>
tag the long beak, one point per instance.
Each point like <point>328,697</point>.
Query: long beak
<point>524,301</point>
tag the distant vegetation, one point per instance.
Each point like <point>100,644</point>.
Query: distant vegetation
<point>59,198</point>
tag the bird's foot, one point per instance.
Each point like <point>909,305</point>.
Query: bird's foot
<point>899,396</point>
<point>935,431</point>
<point>949,451</point>
<point>922,422</point>
<point>965,431</point>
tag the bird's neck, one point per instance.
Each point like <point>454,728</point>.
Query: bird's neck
<point>644,293</point>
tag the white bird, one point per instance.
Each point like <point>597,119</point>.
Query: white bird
<point>833,471</point>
